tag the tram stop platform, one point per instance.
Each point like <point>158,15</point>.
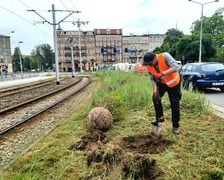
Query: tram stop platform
<point>10,81</point>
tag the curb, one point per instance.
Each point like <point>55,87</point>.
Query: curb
<point>10,83</point>
<point>219,111</point>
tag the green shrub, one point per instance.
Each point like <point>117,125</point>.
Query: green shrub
<point>135,93</point>
<point>115,104</point>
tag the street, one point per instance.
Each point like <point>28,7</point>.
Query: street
<point>215,96</point>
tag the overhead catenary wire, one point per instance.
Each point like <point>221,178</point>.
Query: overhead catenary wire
<point>54,23</point>
<point>24,19</point>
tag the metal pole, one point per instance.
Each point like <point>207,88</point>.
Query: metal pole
<point>72,59</point>
<point>202,6</point>
<point>137,55</point>
<point>80,51</point>
<point>20,60</point>
<point>55,46</point>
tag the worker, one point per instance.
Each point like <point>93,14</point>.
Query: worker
<point>163,72</point>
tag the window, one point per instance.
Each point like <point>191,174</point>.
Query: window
<point>189,68</point>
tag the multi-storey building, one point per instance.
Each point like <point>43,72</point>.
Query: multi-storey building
<point>102,46</point>
<point>134,47</point>
<point>155,40</point>
<point>108,45</point>
<point>83,50</point>
<point>5,53</point>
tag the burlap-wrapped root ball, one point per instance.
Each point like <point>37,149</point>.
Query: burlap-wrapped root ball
<point>99,118</point>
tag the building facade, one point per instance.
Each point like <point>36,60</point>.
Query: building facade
<point>100,47</point>
<point>5,54</point>
<point>83,46</point>
<point>134,47</point>
<point>108,46</point>
<point>155,40</point>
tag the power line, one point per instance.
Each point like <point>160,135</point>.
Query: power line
<point>12,12</point>
<point>24,19</point>
<point>73,5</point>
<point>65,6</point>
<point>24,4</point>
<point>54,23</point>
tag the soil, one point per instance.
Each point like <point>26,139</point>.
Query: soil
<point>90,141</point>
<point>132,157</point>
<point>145,144</point>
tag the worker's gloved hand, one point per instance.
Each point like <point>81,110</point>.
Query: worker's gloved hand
<point>158,76</point>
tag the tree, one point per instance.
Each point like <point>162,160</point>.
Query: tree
<point>178,44</point>
<point>43,55</point>
<point>188,46</point>
<point>170,41</point>
<point>16,60</point>
<point>213,34</point>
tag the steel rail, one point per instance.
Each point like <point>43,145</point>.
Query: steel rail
<point>36,98</point>
<point>45,109</point>
<point>17,87</point>
<point>24,89</point>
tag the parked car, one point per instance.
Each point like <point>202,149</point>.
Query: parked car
<point>202,75</point>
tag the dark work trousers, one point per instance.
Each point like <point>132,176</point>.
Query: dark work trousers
<point>174,96</point>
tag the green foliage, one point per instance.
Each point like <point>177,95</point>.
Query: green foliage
<point>122,92</point>
<point>169,44</point>
<point>179,45</point>
<point>213,176</point>
<point>189,47</point>
<point>16,59</point>
<point>193,104</point>
<point>43,55</point>
<point>197,153</point>
<point>115,104</point>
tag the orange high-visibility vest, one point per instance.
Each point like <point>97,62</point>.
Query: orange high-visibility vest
<point>170,80</point>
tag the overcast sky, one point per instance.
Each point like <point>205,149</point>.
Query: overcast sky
<point>133,16</point>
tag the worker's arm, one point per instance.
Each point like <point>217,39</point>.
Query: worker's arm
<point>172,63</point>
<point>173,66</point>
<point>168,71</point>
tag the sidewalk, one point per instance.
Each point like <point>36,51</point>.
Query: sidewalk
<point>218,110</point>
<point>11,81</point>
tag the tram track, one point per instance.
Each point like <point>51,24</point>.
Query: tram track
<point>11,92</point>
<point>20,88</point>
<point>19,94</point>
<point>16,115</point>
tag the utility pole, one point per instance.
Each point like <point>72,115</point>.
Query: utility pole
<point>79,23</point>
<point>202,7</point>
<point>20,60</point>
<point>54,23</point>
<point>72,58</point>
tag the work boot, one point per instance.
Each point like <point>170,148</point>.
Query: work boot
<point>154,122</point>
<point>176,130</point>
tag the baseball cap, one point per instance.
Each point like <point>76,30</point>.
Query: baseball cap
<point>148,57</point>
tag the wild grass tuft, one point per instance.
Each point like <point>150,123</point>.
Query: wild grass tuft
<point>197,153</point>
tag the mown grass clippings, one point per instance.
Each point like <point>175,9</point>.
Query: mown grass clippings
<point>197,153</point>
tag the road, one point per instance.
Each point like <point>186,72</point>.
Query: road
<point>215,96</point>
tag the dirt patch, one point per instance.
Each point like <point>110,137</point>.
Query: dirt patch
<point>91,141</point>
<point>140,167</point>
<point>132,159</point>
<point>108,157</point>
<point>144,144</point>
